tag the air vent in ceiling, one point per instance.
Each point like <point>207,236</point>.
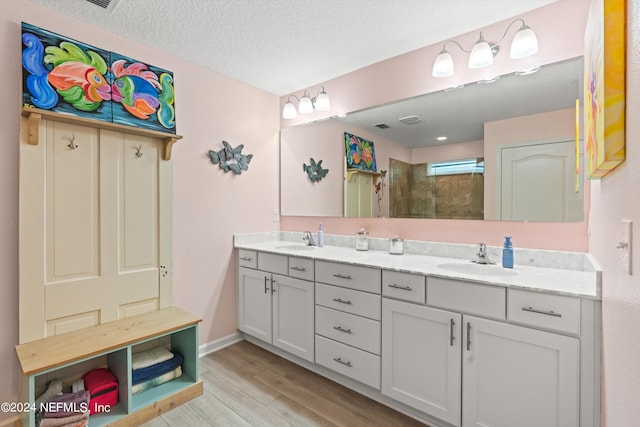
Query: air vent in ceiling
<point>409,120</point>
<point>381,125</point>
<point>109,5</point>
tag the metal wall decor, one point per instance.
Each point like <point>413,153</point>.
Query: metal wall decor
<point>231,159</point>
<point>314,170</point>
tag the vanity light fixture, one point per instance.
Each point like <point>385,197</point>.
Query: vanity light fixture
<point>524,44</point>
<point>306,104</point>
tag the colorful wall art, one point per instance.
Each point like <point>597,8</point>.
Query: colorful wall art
<point>67,76</point>
<point>360,153</point>
<point>604,80</point>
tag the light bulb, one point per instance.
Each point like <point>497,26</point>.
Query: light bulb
<point>305,106</point>
<point>323,103</point>
<point>443,65</point>
<point>481,55</point>
<point>524,44</point>
<point>289,111</point>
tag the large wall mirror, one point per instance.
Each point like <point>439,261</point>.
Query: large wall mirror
<point>509,154</point>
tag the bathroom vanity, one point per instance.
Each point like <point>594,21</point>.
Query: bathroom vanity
<point>428,333</point>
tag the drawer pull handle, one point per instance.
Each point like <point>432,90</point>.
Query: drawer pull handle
<point>545,312</point>
<point>266,288</point>
<point>341,329</point>
<point>404,288</point>
<point>298,268</point>
<point>468,336</point>
<point>342,276</point>
<point>452,324</point>
<point>342,301</point>
<point>339,360</point>
<point>245,258</point>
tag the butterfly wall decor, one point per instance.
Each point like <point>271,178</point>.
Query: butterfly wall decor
<point>314,170</point>
<point>231,159</point>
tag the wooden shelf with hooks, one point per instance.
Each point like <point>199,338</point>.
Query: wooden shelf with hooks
<point>351,172</point>
<point>35,115</point>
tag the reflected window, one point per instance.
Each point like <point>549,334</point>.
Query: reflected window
<point>451,167</point>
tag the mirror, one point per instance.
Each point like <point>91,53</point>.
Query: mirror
<point>520,129</point>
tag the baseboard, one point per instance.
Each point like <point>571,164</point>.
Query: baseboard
<point>218,344</point>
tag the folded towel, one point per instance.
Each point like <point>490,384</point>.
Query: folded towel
<point>141,375</point>
<point>165,378</point>
<point>67,404</point>
<point>148,358</point>
<point>71,420</point>
<point>77,385</point>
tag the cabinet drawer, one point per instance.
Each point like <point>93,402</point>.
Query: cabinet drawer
<point>349,329</point>
<point>348,300</point>
<point>349,276</point>
<point>558,312</point>
<point>471,298</point>
<point>405,286</point>
<point>348,361</point>
<point>247,258</point>
<point>302,268</point>
<point>273,263</point>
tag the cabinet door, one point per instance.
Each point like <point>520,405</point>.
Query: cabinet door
<point>421,358</point>
<point>254,303</point>
<point>516,376</point>
<point>293,327</point>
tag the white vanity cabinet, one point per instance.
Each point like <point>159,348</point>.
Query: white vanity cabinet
<point>518,376</point>
<point>275,308</point>
<point>421,349</point>
<point>348,320</point>
<point>447,351</point>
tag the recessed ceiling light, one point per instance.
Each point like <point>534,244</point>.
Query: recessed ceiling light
<point>441,138</point>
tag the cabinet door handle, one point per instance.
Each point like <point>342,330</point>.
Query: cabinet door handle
<point>468,336</point>
<point>342,276</point>
<point>266,288</point>
<point>545,312</point>
<point>341,329</point>
<point>339,360</point>
<point>342,301</point>
<point>244,258</point>
<point>452,324</point>
<point>273,288</point>
<point>404,288</point>
<point>298,268</point>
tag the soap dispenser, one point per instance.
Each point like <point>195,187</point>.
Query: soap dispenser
<point>507,253</point>
<point>320,236</point>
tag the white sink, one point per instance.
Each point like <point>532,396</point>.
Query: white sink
<point>477,269</point>
<point>296,247</point>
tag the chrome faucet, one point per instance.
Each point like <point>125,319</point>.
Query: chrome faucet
<point>481,255</point>
<point>309,238</point>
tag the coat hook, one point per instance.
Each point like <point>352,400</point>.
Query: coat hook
<point>72,144</point>
<point>139,151</point>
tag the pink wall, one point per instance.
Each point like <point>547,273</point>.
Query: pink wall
<point>614,198</point>
<point>560,30</point>
<point>298,143</point>
<point>437,153</point>
<point>209,205</point>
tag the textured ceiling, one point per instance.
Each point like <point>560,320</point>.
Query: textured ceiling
<point>282,46</point>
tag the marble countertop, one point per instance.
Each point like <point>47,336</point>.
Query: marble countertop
<point>554,280</point>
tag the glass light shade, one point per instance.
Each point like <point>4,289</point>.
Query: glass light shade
<point>289,111</point>
<point>323,103</point>
<point>443,65</point>
<point>305,106</point>
<point>481,55</point>
<point>524,44</point>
